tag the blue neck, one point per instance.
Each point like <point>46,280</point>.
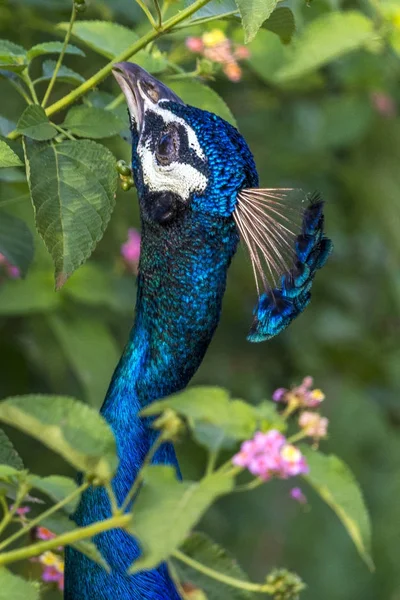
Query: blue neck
<point>181,284</point>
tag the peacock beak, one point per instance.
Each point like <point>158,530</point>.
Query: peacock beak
<point>141,89</point>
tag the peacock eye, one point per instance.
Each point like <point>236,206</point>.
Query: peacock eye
<point>168,147</point>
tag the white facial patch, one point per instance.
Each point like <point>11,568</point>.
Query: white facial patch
<point>178,177</point>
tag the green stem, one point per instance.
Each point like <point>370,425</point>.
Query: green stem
<point>300,435</point>
<point>112,498</point>
<point>21,91</point>
<point>125,55</point>
<point>139,477</point>
<point>65,539</point>
<point>31,87</point>
<point>22,491</point>
<point>212,459</point>
<point>147,13</point>
<point>252,485</point>
<point>232,581</point>
<point>44,515</point>
<point>186,75</point>
<point>159,14</point>
<point>60,58</point>
<point>64,132</point>
<point>116,102</point>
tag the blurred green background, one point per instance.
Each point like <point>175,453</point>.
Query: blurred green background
<point>337,131</point>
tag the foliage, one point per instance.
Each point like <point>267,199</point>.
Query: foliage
<point>318,105</point>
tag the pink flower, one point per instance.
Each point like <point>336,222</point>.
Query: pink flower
<point>42,533</point>
<point>52,568</point>
<point>384,104</point>
<point>11,271</point>
<point>313,424</point>
<point>241,53</point>
<point>194,44</point>
<point>301,395</point>
<point>21,511</point>
<point>297,494</point>
<point>269,455</point>
<point>130,250</point>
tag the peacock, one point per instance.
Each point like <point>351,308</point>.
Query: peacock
<point>198,194</point>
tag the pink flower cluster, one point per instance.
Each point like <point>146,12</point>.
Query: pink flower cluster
<point>301,395</point>
<point>270,455</point>
<point>10,271</point>
<point>313,424</point>
<point>130,250</point>
<point>52,563</point>
<point>215,46</point>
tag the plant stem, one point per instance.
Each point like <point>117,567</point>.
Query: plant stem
<point>139,477</point>
<point>232,581</point>
<point>44,515</point>
<point>159,14</point>
<point>125,55</point>
<point>64,132</point>
<point>65,539</point>
<point>300,435</point>
<point>22,491</point>
<point>203,20</point>
<point>60,58</point>
<point>212,459</point>
<point>252,485</point>
<point>112,497</point>
<point>116,102</point>
<point>31,87</point>
<point>147,13</point>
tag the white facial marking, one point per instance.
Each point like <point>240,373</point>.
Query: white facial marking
<point>178,178</point>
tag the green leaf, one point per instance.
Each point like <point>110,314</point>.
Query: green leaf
<point>57,488</point>
<point>216,420</point>
<point>197,94</point>
<point>64,74</point>
<point>66,426</point>
<point>34,294</point>
<point>35,124</point>
<point>282,23</point>
<point>201,548</point>
<point>91,351</point>
<point>214,9</point>
<point>110,39</point>
<point>12,56</point>
<point>325,39</point>
<point>253,14</point>
<point>73,186</point>
<point>59,523</point>
<point>16,241</point>
<point>13,587</point>
<point>8,455</point>
<point>8,158</point>
<point>6,472</point>
<point>166,510</point>
<point>87,121</point>
<point>336,485</point>
<point>52,48</point>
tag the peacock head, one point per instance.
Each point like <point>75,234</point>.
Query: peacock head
<point>189,160</point>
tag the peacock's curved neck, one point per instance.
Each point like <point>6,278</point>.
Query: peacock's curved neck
<point>180,288</point>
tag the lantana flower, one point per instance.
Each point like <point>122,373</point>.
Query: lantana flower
<point>313,424</point>
<point>215,46</point>
<point>52,563</point>
<point>130,250</point>
<point>301,395</point>
<point>9,270</point>
<point>270,455</point>
<point>297,494</point>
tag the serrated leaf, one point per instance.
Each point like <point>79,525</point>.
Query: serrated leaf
<point>8,158</point>
<point>282,23</point>
<point>91,351</point>
<point>72,429</point>
<point>73,186</point>
<point>12,56</point>
<point>336,485</point>
<point>35,124</point>
<point>111,39</point>
<point>166,510</point>
<point>216,420</point>
<point>91,122</point>
<point>8,455</point>
<point>34,294</point>
<point>253,14</point>
<point>13,587</point>
<point>325,39</point>
<point>201,96</point>
<point>57,488</point>
<point>201,548</point>
<point>52,48</point>
<point>59,523</point>
<point>16,241</point>
<point>64,73</point>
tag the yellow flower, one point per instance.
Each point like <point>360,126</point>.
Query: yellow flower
<point>214,37</point>
<point>49,559</point>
